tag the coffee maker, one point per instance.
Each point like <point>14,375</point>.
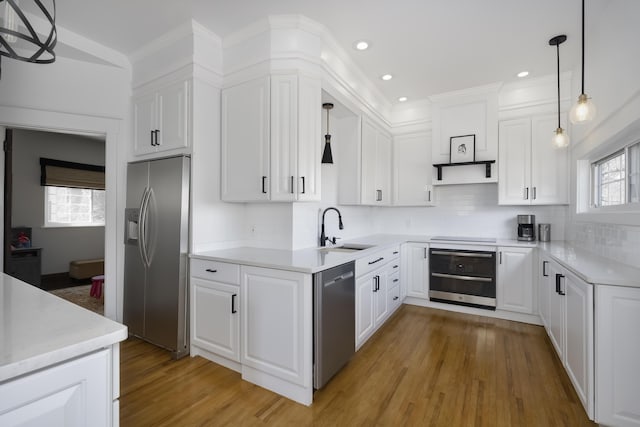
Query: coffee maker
<point>526,228</point>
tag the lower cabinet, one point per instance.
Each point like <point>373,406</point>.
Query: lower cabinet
<point>514,285</point>
<point>277,331</point>
<point>569,321</point>
<point>544,288</point>
<point>377,294</point>
<point>617,350</point>
<point>216,318</point>
<point>74,393</point>
<point>415,269</point>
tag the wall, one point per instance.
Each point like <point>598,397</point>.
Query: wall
<point>59,245</point>
<point>611,79</point>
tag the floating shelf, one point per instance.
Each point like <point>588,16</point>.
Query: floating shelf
<point>486,163</point>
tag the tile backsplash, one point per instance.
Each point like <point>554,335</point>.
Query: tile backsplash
<point>616,242</point>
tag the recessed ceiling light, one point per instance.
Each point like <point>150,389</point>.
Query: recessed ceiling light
<point>523,74</point>
<point>386,77</point>
<point>362,45</point>
<point>402,99</point>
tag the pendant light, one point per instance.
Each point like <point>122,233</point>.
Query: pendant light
<point>326,154</point>
<point>560,139</point>
<point>584,110</point>
<point>18,38</point>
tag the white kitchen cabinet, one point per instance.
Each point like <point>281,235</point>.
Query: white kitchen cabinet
<point>514,287</point>
<point>545,284</point>
<point>365,306</point>
<point>215,320</point>
<point>73,393</point>
<point>579,349</point>
<point>412,170</point>
<point>271,142</point>
<point>161,119</point>
<point>531,170</point>
<point>617,347</point>
<point>376,165</point>
<point>276,326</point>
<point>556,326</point>
<point>415,269</point>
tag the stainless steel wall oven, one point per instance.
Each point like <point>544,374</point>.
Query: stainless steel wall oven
<point>464,277</point>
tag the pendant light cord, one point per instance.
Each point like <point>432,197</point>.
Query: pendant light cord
<point>327,121</point>
<point>558,56</point>
<point>582,46</point>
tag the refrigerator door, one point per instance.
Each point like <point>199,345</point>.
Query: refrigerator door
<point>134,270</point>
<point>167,231</point>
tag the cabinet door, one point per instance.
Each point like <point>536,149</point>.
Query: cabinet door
<point>144,122</point>
<point>545,286</point>
<point>310,140</point>
<point>284,137</point>
<point>369,158</point>
<point>549,165</point>
<point>380,297</point>
<point>277,312</point>
<point>515,280</point>
<point>412,170</point>
<point>556,310</point>
<point>215,319</point>
<point>74,393</point>
<point>416,270</point>
<point>245,141</point>
<point>617,354</point>
<point>514,163</point>
<point>579,337</point>
<point>365,287</point>
<point>173,117</point>
<point>383,168</point>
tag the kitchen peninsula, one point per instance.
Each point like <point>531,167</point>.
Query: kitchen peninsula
<point>59,363</point>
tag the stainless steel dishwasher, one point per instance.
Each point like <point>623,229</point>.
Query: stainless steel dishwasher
<point>334,339</point>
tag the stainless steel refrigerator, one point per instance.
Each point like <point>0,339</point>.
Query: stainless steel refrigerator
<point>156,248</point>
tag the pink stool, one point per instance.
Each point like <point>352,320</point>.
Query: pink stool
<point>96,286</point>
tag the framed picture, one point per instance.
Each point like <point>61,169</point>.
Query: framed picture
<point>462,149</point>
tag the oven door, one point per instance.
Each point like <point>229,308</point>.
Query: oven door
<point>463,277</point>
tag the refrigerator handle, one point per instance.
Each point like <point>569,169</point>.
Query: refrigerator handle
<point>142,221</point>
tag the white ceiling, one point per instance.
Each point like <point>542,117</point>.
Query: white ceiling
<point>430,46</point>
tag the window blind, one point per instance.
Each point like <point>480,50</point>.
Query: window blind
<point>58,173</point>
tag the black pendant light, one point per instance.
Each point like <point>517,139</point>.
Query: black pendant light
<point>584,110</point>
<point>18,38</point>
<point>326,154</point>
<point>560,139</point>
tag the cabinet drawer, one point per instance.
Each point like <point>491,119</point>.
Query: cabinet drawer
<point>393,298</point>
<point>217,271</point>
<point>394,279</point>
<point>378,259</point>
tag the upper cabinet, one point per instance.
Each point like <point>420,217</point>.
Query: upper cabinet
<point>412,170</point>
<point>532,171</point>
<point>271,139</point>
<point>474,113</point>
<point>364,162</point>
<point>161,118</point>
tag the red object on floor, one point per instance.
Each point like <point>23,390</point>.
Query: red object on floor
<point>96,286</point>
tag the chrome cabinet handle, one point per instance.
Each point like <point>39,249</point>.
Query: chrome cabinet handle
<point>291,184</point>
<point>500,257</point>
<point>429,197</point>
<point>534,193</point>
<point>378,260</point>
<point>378,195</point>
<point>544,268</point>
<point>526,193</point>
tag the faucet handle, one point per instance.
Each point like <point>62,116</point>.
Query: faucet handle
<point>333,240</point>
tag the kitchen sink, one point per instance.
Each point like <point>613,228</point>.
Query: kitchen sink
<point>347,247</point>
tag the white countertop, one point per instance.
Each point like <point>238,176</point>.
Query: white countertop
<point>590,267</point>
<point>313,260</point>
<point>38,329</point>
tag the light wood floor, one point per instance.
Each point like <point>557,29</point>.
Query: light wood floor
<point>425,367</point>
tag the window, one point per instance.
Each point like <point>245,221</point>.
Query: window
<point>73,207</point>
<point>616,178</point>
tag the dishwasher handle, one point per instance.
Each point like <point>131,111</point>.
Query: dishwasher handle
<point>340,278</point>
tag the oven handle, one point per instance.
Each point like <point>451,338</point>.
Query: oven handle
<point>466,254</point>
<point>469,278</point>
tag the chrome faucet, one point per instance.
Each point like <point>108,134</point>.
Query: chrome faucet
<point>323,237</point>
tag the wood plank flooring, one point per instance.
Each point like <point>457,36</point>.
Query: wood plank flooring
<point>425,367</point>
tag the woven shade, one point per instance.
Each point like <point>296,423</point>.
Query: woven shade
<point>58,173</point>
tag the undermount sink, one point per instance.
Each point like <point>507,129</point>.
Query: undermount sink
<point>347,247</point>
